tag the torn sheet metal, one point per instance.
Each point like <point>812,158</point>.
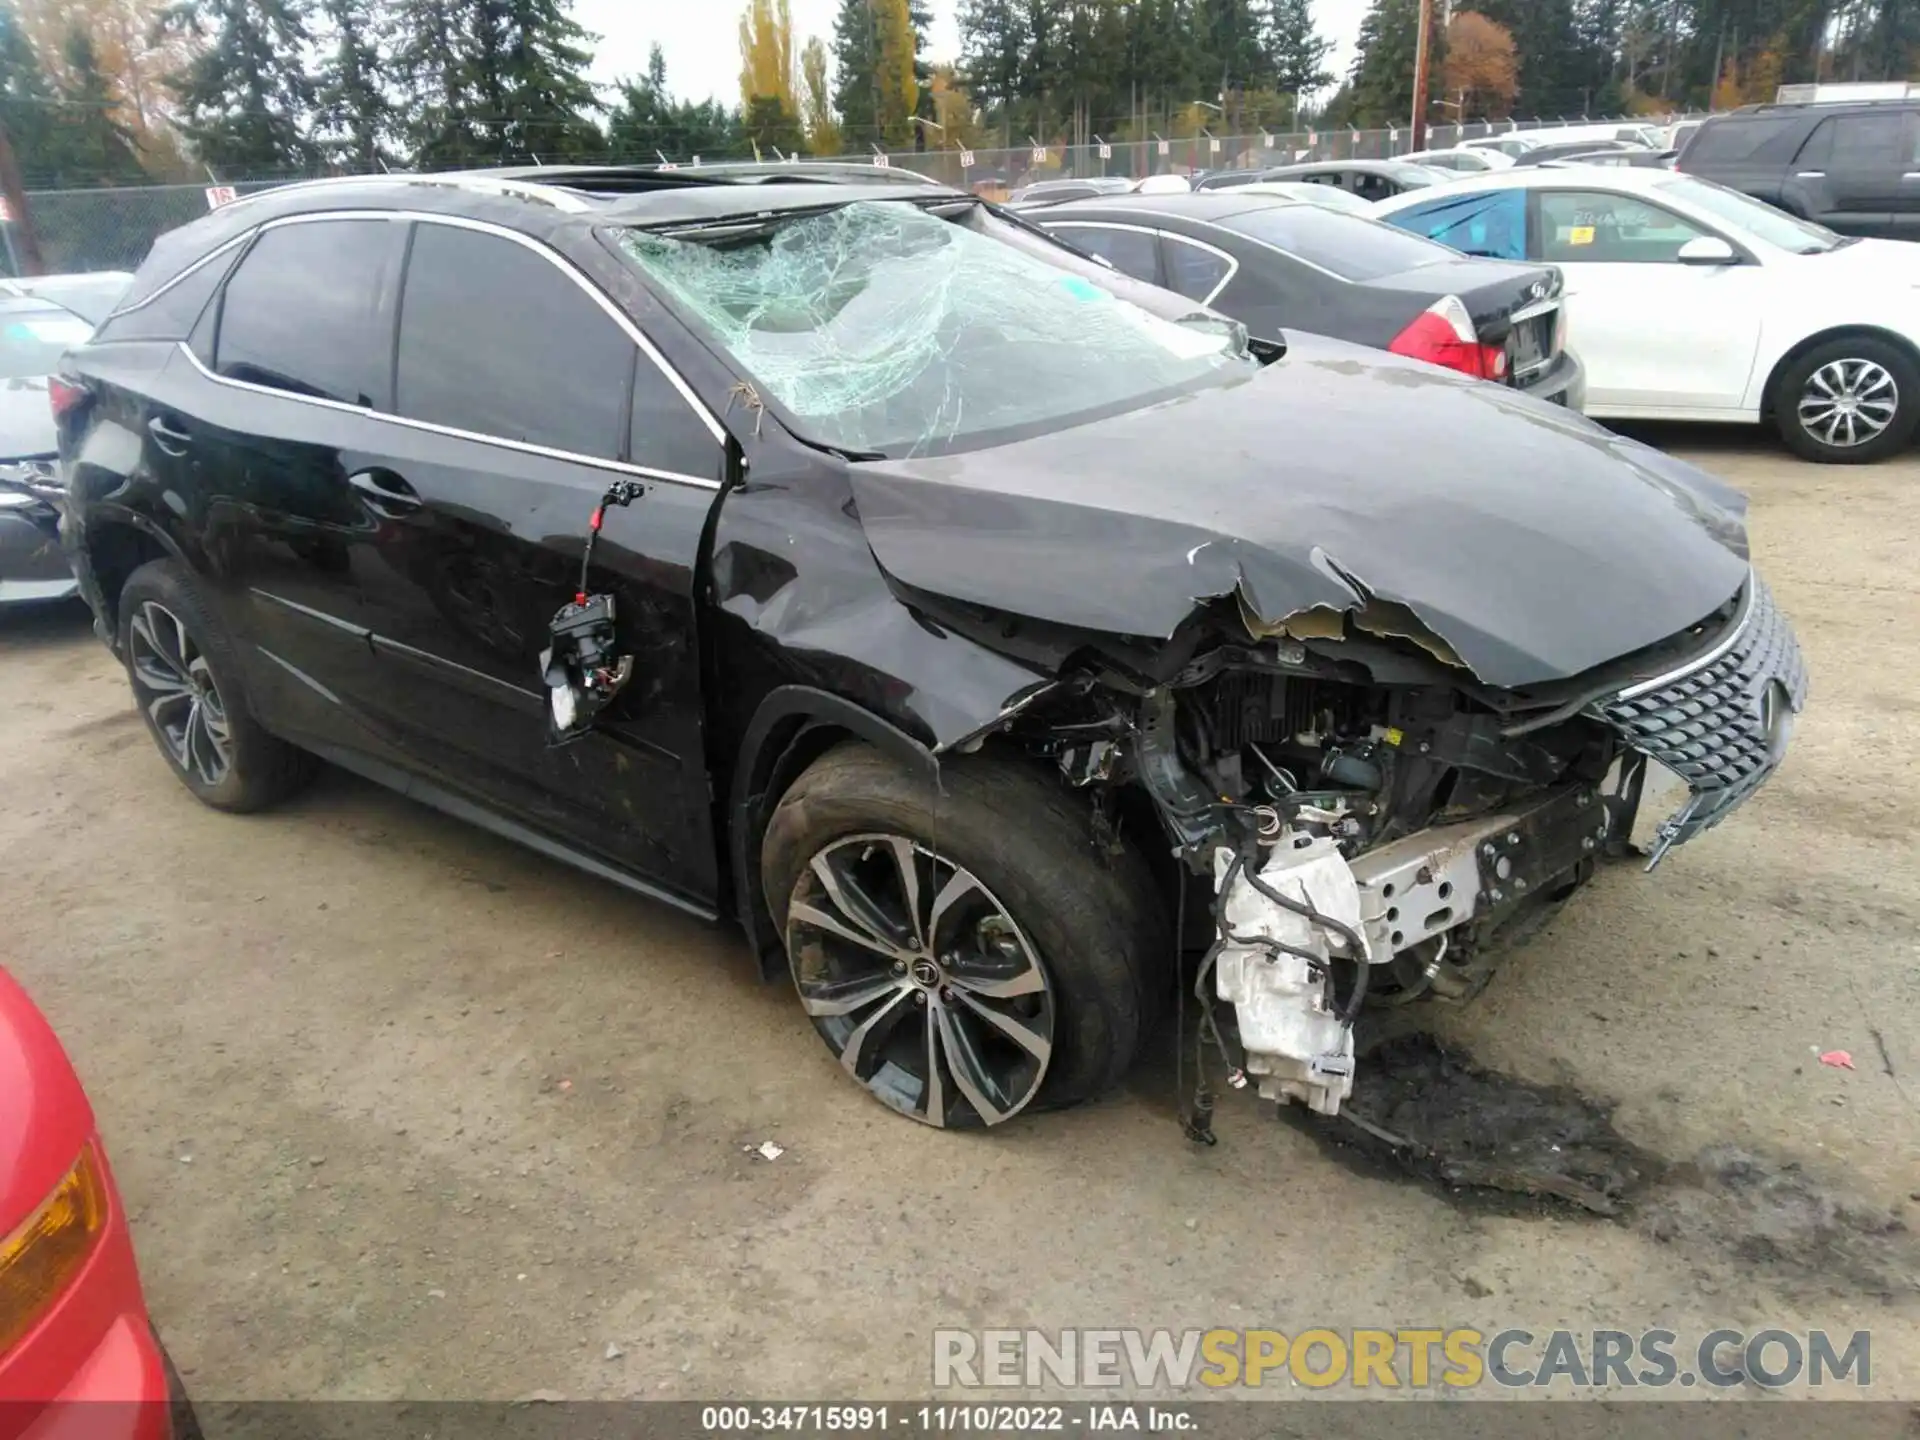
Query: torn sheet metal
<point>1532,543</point>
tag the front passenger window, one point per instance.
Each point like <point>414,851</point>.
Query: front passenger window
<point>1584,227</point>
<point>496,340</point>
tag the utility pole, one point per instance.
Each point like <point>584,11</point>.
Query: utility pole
<point>1418,127</point>
<point>24,242</point>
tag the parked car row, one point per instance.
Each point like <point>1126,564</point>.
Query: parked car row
<point>1695,302</point>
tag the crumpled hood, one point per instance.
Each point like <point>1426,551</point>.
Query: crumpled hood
<point>26,419</point>
<point>1532,542</point>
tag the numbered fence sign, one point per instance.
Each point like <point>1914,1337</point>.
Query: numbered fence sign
<point>1106,151</point>
<point>218,195</point>
<point>1165,148</point>
<point>880,162</point>
<point>966,159</point>
<point>1213,145</point>
<point>1039,154</point>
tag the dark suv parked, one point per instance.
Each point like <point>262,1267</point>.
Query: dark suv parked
<point>856,560</point>
<point>1854,168</point>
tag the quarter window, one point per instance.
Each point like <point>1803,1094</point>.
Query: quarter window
<point>1131,252</point>
<point>1589,227</point>
<point>1194,270</point>
<point>310,309</point>
<point>495,340</point>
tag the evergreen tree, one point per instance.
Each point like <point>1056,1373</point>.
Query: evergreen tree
<point>1382,75</point>
<point>1297,52</point>
<point>356,117</point>
<point>91,138</point>
<point>437,127</point>
<point>245,94</point>
<point>548,102</point>
<point>27,102</point>
<point>647,122</point>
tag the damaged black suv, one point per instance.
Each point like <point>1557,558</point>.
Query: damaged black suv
<point>857,561</point>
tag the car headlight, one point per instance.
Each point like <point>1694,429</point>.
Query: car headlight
<point>40,1258</point>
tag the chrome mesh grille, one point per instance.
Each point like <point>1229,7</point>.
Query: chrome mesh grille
<point>1721,726</point>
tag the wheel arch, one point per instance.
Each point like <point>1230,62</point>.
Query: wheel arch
<point>1821,337</point>
<point>115,543</point>
<point>793,726</point>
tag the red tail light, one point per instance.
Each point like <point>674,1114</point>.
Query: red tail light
<point>1443,334</point>
<point>65,396</point>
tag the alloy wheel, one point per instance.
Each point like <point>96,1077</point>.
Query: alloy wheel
<point>174,684</point>
<point>920,980</point>
<point>1848,402</point>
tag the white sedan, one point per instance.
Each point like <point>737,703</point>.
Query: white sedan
<point>1689,301</point>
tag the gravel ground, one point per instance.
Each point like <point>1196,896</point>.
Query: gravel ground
<point>402,1110</point>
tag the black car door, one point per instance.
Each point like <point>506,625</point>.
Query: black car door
<point>521,398</point>
<point>400,542</point>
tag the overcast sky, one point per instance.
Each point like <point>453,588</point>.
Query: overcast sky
<point>702,45</point>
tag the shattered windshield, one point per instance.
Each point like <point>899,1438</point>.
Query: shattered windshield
<point>881,328</point>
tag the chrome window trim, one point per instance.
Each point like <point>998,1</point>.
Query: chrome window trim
<point>1727,642</point>
<point>204,260</point>
<point>552,257</point>
<point>522,446</point>
<point>1233,266</point>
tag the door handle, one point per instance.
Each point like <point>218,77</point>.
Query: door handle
<point>1911,175</point>
<point>385,493</point>
<point>169,437</point>
<point>1810,175</point>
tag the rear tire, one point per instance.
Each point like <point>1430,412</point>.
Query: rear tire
<point>1029,988</point>
<point>186,682</point>
<point>1848,401</point>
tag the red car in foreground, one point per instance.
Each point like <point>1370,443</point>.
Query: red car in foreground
<point>77,1352</point>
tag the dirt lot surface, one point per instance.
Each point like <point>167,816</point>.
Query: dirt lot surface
<point>402,1110</point>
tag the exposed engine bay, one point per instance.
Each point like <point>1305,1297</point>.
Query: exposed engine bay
<point>1367,816</point>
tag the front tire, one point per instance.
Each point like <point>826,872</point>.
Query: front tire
<point>186,682</point>
<point>1849,401</point>
<point>967,956</point>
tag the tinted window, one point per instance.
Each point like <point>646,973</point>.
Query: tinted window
<point>171,315</point>
<point>1868,139</point>
<point>1131,252</point>
<point>667,435</point>
<point>1192,269</point>
<point>33,338</point>
<point>1728,142</point>
<point>1589,227</point>
<point>1487,222</point>
<point>496,340</point>
<point>310,311</point>
<point>1352,248</point>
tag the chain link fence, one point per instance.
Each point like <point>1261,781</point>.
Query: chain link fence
<point>111,228</point>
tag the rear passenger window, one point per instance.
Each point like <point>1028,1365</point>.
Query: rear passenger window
<point>1492,223</point>
<point>1868,139</point>
<point>310,310</point>
<point>496,340</point>
<point>1131,252</point>
<point>1728,142</point>
<point>1193,270</point>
